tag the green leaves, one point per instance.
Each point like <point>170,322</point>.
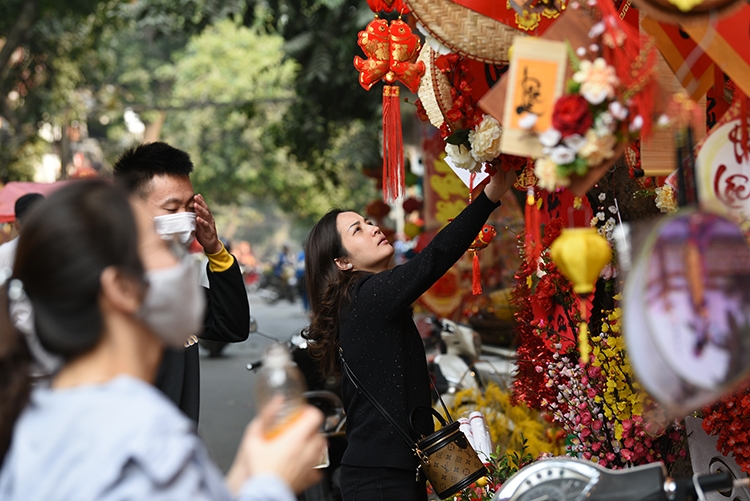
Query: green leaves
<point>459,137</point>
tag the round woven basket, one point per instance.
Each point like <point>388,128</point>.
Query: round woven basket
<point>464,31</point>
<point>664,10</point>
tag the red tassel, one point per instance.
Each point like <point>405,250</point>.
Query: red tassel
<point>476,276</point>
<point>394,184</point>
<point>533,228</point>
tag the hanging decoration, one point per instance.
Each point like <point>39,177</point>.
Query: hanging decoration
<point>581,254</point>
<point>608,97</point>
<point>391,50</point>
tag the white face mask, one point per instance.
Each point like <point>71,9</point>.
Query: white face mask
<point>179,224</point>
<point>174,304</point>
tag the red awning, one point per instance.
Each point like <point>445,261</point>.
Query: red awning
<point>13,190</point>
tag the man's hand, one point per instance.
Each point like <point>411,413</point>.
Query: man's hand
<point>205,227</point>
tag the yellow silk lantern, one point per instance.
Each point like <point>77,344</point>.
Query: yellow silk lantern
<point>581,254</point>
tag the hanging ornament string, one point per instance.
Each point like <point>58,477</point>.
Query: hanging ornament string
<point>391,50</point>
<point>633,55</point>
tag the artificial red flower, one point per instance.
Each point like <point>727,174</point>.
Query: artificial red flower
<point>571,115</point>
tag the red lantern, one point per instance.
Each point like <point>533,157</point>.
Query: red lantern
<point>377,209</point>
<point>411,204</point>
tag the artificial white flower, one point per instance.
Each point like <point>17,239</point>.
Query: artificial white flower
<point>528,121</point>
<point>462,158</point>
<point>618,111</point>
<point>600,216</point>
<point>602,196</point>
<point>550,137</point>
<point>597,148</point>
<point>663,121</point>
<point>562,155</point>
<point>598,80</point>
<point>597,29</point>
<point>575,142</point>
<point>485,140</point>
<point>612,209</point>
<point>636,124</point>
<point>605,123</point>
<point>614,38</point>
<point>608,272</point>
<point>545,171</point>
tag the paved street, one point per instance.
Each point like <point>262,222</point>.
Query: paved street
<point>227,403</point>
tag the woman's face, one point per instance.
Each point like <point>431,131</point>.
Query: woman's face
<point>367,248</point>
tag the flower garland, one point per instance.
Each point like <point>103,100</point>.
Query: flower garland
<point>608,102</point>
<point>588,122</point>
<point>600,406</point>
<point>727,420</point>
<point>521,435</point>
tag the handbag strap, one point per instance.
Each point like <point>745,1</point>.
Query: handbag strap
<point>358,384</point>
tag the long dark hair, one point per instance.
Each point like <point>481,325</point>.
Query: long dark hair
<point>328,289</point>
<point>67,241</point>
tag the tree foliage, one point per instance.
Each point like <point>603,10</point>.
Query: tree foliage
<point>321,35</point>
<point>263,94</point>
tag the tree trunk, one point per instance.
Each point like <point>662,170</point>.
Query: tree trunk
<point>153,129</point>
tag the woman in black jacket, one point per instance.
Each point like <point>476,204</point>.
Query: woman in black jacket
<point>362,305</point>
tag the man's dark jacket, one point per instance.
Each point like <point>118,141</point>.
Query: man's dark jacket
<point>227,319</point>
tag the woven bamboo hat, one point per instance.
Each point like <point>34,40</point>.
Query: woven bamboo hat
<point>464,31</point>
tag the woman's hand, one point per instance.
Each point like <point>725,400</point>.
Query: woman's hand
<point>290,454</point>
<point>499,184</point>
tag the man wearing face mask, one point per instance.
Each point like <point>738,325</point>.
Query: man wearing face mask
<point>159,175</point>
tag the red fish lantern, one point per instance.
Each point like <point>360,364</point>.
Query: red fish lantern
<point>483,240</point>
<point>391,50</point>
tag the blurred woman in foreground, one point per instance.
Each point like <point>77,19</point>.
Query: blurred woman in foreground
<point>108,295</point>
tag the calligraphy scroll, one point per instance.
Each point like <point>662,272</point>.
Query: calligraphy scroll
<point>536,78</point>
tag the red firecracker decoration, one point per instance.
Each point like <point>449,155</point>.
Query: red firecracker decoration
<point>391,50</point>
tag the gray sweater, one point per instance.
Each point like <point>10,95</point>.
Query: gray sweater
<point>121,440</point>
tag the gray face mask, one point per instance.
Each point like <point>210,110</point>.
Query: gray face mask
<point>174,304</point>
<point>180,225</point>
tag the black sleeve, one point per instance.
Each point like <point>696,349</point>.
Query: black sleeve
<point>227,309</point>
<point>400,286</point>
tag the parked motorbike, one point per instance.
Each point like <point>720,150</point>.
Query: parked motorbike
<point>273,288</point>
<point>571,479</point>
<point>323,393</point>
<point>457,359</point>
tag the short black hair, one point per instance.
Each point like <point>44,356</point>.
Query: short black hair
<point>137,166</point>
<point>24,203</point>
